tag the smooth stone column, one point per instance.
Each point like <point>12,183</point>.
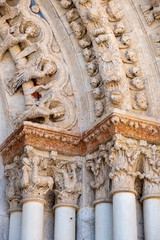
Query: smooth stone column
<point>65,221</point>
<point>103,221</point>
<point>85,223</point>
<point>151,213</point>
<point>124,216</point>
<point>15,224</point>
<point>32,219</point>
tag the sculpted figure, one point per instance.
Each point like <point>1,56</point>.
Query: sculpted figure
<point>116,98</point>
<point>37,179</point>
<point>124,41</point>
<point>13,190</point>
<point>79,29</point>
<point>130,57</point>
<point>113,11</point>
<point>68,185</point>
<point>99,108</point>
<point>151,11</point>
<point>33,70</point>
<point>27,30</point>
<point>32,182</point>
<point>119,29</point>
<point>66,3</point>
<point>137,83</point>
<point>141,101</point>
<point>95,162</point>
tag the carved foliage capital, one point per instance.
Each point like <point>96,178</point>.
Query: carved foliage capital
<point>122,160</point>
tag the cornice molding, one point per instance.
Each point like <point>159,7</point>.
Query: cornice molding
<point>72,143</point>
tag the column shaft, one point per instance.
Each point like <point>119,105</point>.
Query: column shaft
<point>32,221</point>
<point>65,223</point>
<point>85,224</point>
<point>124,216</point>
<point>103,221</point>
<point>15,226</point>
<point>151,208</point>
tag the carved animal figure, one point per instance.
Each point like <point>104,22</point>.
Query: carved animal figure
<point>38,180</point>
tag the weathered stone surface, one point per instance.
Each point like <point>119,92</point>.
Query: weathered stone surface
<point>79,106</point>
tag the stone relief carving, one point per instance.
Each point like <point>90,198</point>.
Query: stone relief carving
<point>129,57</point>
<point>34,183</point>
<point>151,11</point>
<point>151,168</point>
<point>122,160</point>
<point>156,42</point>
<point>95,162</point>
<point>101,38</point>
<point>35,70</point>
<point>13,190</point>
<point>68,185</point>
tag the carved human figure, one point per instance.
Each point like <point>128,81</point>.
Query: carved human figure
<point>113,11</point>
<point>13,190</point>
<point>27,30</point>
<point>95,162</point>
<point>68,186</point>
<point>151,11</point>
<point>33,183</point>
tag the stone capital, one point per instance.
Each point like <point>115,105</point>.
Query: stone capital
<point>13,191</point>
<point>122,159</point>
<point>95,162</point>
<point>35,182</point>
<point>68,185</point>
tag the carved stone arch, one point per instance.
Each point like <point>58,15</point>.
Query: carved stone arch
<point>145,46</point>
<point>75,90</point>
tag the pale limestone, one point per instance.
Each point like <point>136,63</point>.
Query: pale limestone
<point>90,58</point>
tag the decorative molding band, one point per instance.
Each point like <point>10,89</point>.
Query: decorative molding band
<point>72,143</point>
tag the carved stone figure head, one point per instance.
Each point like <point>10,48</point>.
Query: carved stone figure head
<point>95,82</point>
<point>137,83</point>
<point>114,11</point>
<point>119,28</point>
<point>30,29</point>
<point>116,98</point>
<point>141,101</point>
<point>131,56</point>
